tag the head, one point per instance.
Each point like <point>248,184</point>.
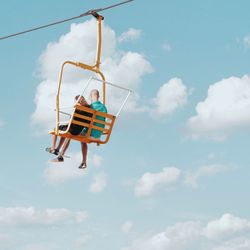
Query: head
<point>81,100</point>
<point>94,95</point>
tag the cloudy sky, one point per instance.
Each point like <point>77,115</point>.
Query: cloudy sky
<point>175,174</point>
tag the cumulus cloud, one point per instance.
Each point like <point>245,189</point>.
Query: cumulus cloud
<point>31,216</point>
<point>99,183</point>
<point>228,224</point>
<point>1,123</point>
<point>59,173</point>
<point>82,240</point>
<point>169,177</point>
<point>192,177</point>
<point>97,160</point>
<point>150,182</point>
<point>79,44</point>
<point>4,237</point>
<point>127,227</point>
<point>193,235</point>
<point>177,237</point>
<point>4,240</point>
<point>240,243</point>
<point>226,108</point>
<point>166,47</point>
<point>130,35</point>
<point>246,41</point>
<point>171,96</point>
<point>39,246</point>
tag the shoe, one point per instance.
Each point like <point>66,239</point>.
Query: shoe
<point>52,151</point>
<point>58,159</point>
<point>83,165</point>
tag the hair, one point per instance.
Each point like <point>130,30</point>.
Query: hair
<point>77,97</point>
<point>96,92</point>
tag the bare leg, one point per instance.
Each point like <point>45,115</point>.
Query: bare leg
<point>53,149</point>
<point>65,146</point>
<point>59,158</point>
<point>84,147</point>
<point>60,144</point>
<point>54,139</point>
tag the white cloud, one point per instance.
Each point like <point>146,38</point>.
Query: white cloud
<point>58,173</point>
<point>1,124</point>
<point>130,35</point>
<point>193,235</point>
<point>80,216</point>
<point>240,243</point>
<point>246,41</point>
<point>4,237</point>
<point>169,177</point>
<point>150,182</point>
<point>171,95</point>
<point>37,246</point>
<point>127,227</point>
<point>82,240</point>
<point>192,177</point>
<point>97,160</point>
<point>177,237</point>
<point>79,44</point>
<point>228,224</point>
<point>99,183</point>
<point>32,216</point>
<point>4,240</point>
<point>167,47</point>
<point>225,108</point>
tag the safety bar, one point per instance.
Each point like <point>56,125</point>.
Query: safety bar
<point>112,84</point>
<point>89,80</point>
<point>123,104</point>
<point>64,113</point>
<point>120,87</point>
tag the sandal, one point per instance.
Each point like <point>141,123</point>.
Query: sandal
<point>83,165</point>
<point>58,159</point>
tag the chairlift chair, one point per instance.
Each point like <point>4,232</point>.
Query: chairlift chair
<point>108,120</point>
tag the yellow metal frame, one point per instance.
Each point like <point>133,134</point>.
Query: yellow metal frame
<point>94,68</point>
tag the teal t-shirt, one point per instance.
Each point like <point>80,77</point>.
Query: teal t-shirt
<point>102,108</point>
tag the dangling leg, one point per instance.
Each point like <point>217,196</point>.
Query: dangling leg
<point>84,147</point>
<point>53,149</point>
<point>65,145</point>
<point>54,139</point>
<point>58,148</point>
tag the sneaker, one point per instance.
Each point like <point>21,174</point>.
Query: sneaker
<point>58,159</point>
<point>83,165</point>
<point>52,151</point>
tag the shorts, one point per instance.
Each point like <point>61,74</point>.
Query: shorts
<point>74,130</point>
<point>63,127</point>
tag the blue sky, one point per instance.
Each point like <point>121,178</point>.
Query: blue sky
<point>175,173</point>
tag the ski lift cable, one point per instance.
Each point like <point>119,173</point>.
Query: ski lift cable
<point>90,12</point>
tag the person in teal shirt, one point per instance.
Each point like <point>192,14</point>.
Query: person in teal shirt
<point>96,105</point>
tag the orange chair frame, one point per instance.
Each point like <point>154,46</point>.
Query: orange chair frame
<point>111,118</point>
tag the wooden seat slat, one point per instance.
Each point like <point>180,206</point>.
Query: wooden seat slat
<point>88,126</point>
<point>90,118</point>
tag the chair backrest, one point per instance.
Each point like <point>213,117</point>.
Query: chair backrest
<point>93,120</point>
